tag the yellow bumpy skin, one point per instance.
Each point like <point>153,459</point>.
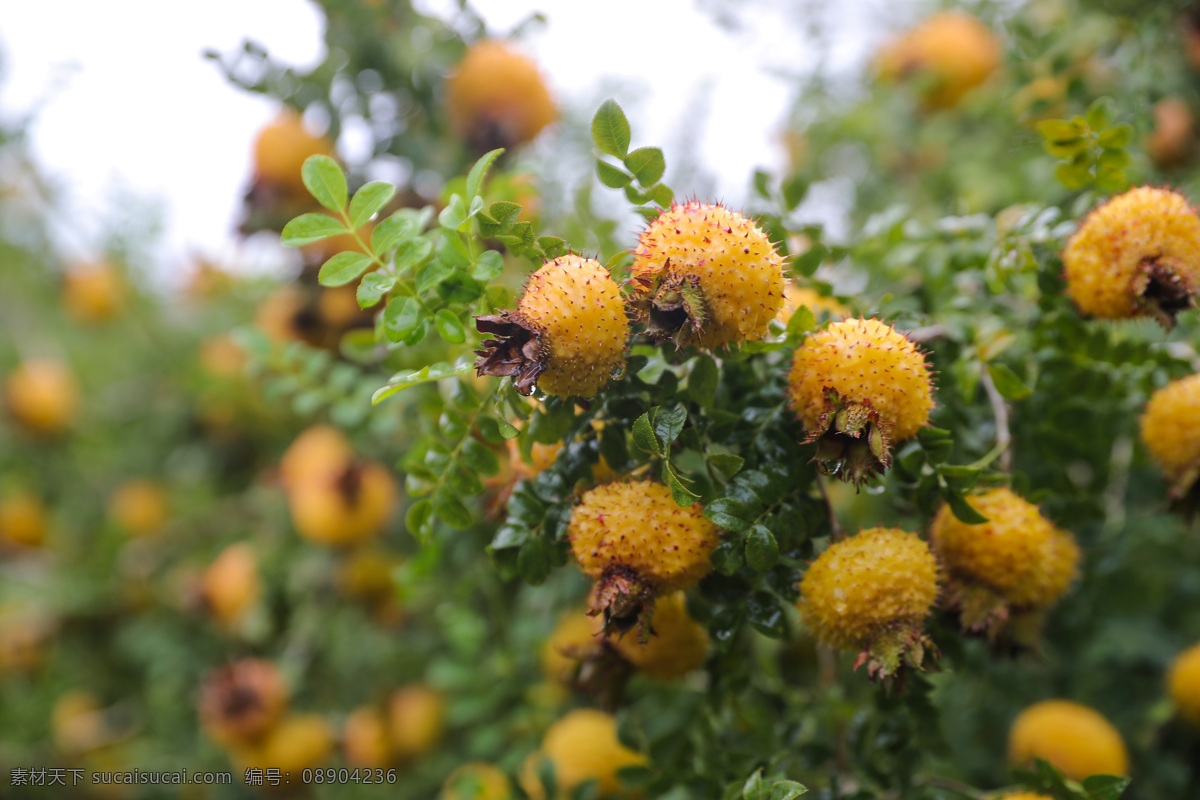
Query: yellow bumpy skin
<point>581,746</point>
<point>1136,255</point>
<point>872,593</point>
<point>497,98</point>
<point>638,545</point>
<point>858,387</point>
<point>949,54</point>
<point>1074,738</point>
<point>796,296</point>
<point>707,276</point>
<point>1172,436</point>
<point>567,336</point>
<point>677,645</point>
<point>1183,683</point>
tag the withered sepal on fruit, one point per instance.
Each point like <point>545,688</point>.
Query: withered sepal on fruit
<point>626,602</point>
<point>852,440</point>
<point>517,351</point>
<point>675,310</point>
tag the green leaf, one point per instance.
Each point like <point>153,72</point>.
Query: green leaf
<point>961,508</point>
<point>727,464</point>
<point>343,268</point>
<point>449,327</point>
<point>479,171</point>
<point>643,436</point>
<point>787,790</point>
<point>401,318</point>
<point>432,372</point>
<point>683,496</point>
<point>1073,176</point>
<point>728,557</point>
<point>1060,130</point>
<point>668,424</point>
<point>762,551</point>
<point>1105,787</point>
<point>368,200</point>
<point>702,380</point>
<point>373,287</point>
<point>753,788</point>
<point>488,266</point>
<point>612,177</point>
<point>802,321</point>
<point>661,195</point>
<point>794,191</point>
<point>765,613</point>
<point>727,513</point>
<point>610,129</point>
<point>396,228</point>
<point>504,213</point>
<point>309,228</point>
<point>412,253</point>
<point>1099,113</point>
<point>807,263</point>
<point>417,520</point>
<point>553,246</point>
<point>533,562</point>
<point>1112,161</point>
<point>1118,137</point>
<point>762,184</point>
<point>449,508</point>
<point>647,165</point>
<point>1007,383</point>
<point>325,181</point>
<point>431,275</point>
<point>479,457</point>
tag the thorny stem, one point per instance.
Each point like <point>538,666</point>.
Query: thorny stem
<point>1003,435</point>
<point>833,523</point>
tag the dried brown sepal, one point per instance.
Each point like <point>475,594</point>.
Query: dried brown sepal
<point>600,672</point>
<point>1162,292</point>
<point>853,443</point>
<point>626,602</point>
<point>240,702</point>
<point>674,309</point>
<point>985,613</point>
<point>893,652</point>
<point>517,351</point>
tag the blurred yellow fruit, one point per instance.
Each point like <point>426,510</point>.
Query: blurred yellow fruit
<point>297,743</point>
<point>222,357</point>
<point>42,395</point>
<point>242,702</point>
<point>365,740</point>
<point>950,53</point>
<point>230,584</point>
<point>582,746</point>
<point>283,315</point>
<point>497,98</point>
<point>678,645</point>
<point>416,717</point>
<point>343,507</point>
<point>542,457</point>
<point>281,149</point>
<point>317,451</point>
<point>1173,139</point>
<point>477,781</point>
<point>139,507</point>
<point>567,645</point>
<point>23,519</point>
<point>1183,682</point>
<point>93,292</point>
<point>796,296</point>
<point>77,722</point>
<point>23,637</point>
<point>1077,740</point>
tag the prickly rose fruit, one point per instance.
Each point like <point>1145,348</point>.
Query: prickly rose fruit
<point>570,643</point>
<point>365,740</point>
<point>858,387</point>
<point>1016,561</point>
<point>581,746</point>
<point>1136,255</point>
<point>416,716</point>
<point>477,781</point>
<point>1171,435</point>
<point>1173,139</point>
<point>1183,682</point>
<point>230,584</point>
<point>240,703</point>
<point>42,395</point>
<point>23,520</point>
<point>280,150</point>
<point>497,98</point>
<point>567,335</point>
<point>950,53</point>
<point>139,507</point>
<point>638,544</point>
<point>796,296</point>
<point>1072,737</point>
<point>93,293</point>
<point>343,506</point>
<point>298,742</point>
<point>872,593</point>
<point>706,276</point>
<point>677,645</point>
<point>314,452</point>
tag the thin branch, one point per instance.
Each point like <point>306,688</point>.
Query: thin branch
<point>1000,412</point>
<point>833,523</point>
<point>926,334</point>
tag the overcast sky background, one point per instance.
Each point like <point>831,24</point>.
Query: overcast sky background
<point>123,101</point>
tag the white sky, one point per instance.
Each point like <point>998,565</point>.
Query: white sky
<point>125,101</point>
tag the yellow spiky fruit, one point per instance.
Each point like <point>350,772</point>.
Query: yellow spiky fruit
<point>871,593</point>
<point>345,506</point>
<point>1136,255</point>
<point>858,386</point>
<point>567,335</point>
<point>1075,739</point>
<point>1016,561</point>
<point>497,98</point>
<point>1170,433</point>
<point>794,297</point>
<point>416,720</point>
<point>139,507</point>
<point>93,293</point>
<point>24,520</point>
<point>581,746</point>
<point>707,276</point>
<point>1183,685</point>
<point>638,544</point>
<point>242,702</point>
<point>42,395</point>
<point>950,53</point>
<point>677,645</point>
<point>477,781</point>
<point>281,148</point>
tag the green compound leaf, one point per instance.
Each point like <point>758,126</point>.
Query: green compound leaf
<point>343,268</point>
<point>1007,383</point>
<point>449,327</point>
<point>325,181</point>
<point>727,513</point>
<point>647,165</point>
<point>401,318</point>
<point>373,287</point>
<point>643,436</point>
<point>368,200</point>
<point>433,372</point>
<point>610,129</point>
<point>762,551</point>
<point>612,177</point>
<point>479,171</point>
<point>309,228</point>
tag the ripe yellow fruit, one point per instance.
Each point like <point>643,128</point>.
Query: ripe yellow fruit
<point>872,593</point>
<point>1183,682</point>
<point>230,584</point>
<point>1136,255</point>
<point>280,150</point>
<point>222,357</point>
<point>677,645</point>
<point>796,296</point>
<point>707,276</point>
<point>24,634</point>
<point>24,520</point>
<point>638,544</point>
<point>316,451</point>
<point>93,293</point>
<point>344,507</point>
<point>567,335</point>
<point>42,395</point>
<point>242,702</point>
<point>416,719</point>
<point>298,742</point>
<point>365,740</point>
<point>582,746</point>
<point>77,722</point>
<point>570,643</point>
<point>139,507</point>
<point>1074,738</point>
<point>858,387</point>
<point>1018,554</point>
<point>1173,139</point>
<point>497,98</point>
<point>950,53</point>
<point>284,316</point>
<point>1171,435</point>
<point>477,781</point>
<point>542,457</point>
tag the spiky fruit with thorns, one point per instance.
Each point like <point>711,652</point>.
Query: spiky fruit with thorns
<point>497,98</point>
<point>859,387</point>
<point>677,644</point>
<point>1006,570</point>
<point>706,276</point>
<point>567,336</point>
<point>581,746</point>
<point>1171,435</point>
<point>1138,255</point>
<point>871,593</point>
<point>794,297</point>
<point>950,53</point>
<point>240,703</point>
<point>638,545</point>
<point>1183,684</point>
<point>1075,739</point>
<point>345,504</point>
